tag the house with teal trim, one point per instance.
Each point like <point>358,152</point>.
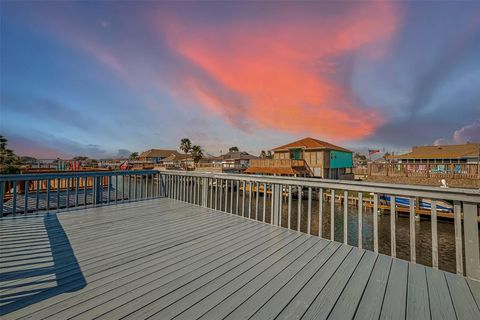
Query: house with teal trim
<point>307,157</point>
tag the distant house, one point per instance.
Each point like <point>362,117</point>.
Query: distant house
<point>178,161</point>
<point>156,155</point>
<point>235,161</point>
<point>307,157</point>
<point>455,153</point>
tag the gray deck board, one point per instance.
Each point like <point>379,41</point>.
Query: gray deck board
<point>163,258</point>
<point>395,298</point>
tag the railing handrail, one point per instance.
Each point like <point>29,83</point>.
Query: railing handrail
<point>72,174</point>
<point>453,194</point>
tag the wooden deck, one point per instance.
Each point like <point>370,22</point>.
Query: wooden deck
<point>166,259</point>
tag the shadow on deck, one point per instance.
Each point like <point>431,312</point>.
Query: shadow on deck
<point>34,259</point>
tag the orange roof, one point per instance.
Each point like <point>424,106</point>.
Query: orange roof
<point>310,143</point>
<point>157,153</point>
<point>453,151</point>
<point>276,170</point>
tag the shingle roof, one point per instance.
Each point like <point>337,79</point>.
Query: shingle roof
<point>453,151</point>
<point>178,157</point>
<point>235,155</point>
<point>310,143</point>
<point>157,153</point>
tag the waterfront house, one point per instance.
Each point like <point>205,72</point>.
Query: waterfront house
<point>236,161</point>
<point>156,155</point>
<point>178,160</point>
<point>445,154</point>
<point>307,157</point>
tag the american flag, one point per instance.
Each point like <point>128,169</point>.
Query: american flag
<point>373,151</point>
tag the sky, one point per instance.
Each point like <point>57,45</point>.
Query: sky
<point>103,78</point>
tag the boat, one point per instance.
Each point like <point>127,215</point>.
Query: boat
<point>424,204</point>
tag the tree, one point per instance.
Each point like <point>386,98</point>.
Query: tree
<point>186,147</point>
<point>269,154</point>
<point>133,156</point>
<point>9,162</point>
<point>263,154</point>
<point>197,154</point>
<point>233,149</point>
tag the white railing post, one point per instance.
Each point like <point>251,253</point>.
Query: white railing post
<point>470,229</point>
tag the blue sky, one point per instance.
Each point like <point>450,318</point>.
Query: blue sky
<point>107,78</point>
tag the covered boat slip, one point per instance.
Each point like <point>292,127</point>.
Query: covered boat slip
<point>164,259</point>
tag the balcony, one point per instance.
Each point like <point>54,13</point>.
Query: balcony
<point>150,244</point>
<point>288,167</point>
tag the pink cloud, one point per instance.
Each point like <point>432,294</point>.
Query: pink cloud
<point>282,68</point>
<point>468,133</point>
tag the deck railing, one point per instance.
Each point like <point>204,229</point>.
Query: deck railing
<point>24,193</point>
<point>437,170</point>
<point>269,199</point>
<point>303,204</point>
<point>277,163</point>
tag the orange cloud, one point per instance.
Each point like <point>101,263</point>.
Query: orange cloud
<point>278,71</point>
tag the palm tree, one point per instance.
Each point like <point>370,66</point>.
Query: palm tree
<point>133,155</point>
<point>263,154</point>
<point>186,146</point>
<point>233,149</point>
<point>197,154</point>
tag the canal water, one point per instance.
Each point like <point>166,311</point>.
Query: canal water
<point>423,235</point>
<point>446,232</point>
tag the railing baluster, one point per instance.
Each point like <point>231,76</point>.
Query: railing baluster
<point>345,217</point>
<point>68,193</point>
<point>116,189</point>
<point>25,209</point>
<point>129,188</point>
<point>37,196</point>
<point>264,209</point>
<point>289,207</point>
<point>2,195</point>
<point>146,186</point>
<point>48,195</point>
<point>257,199</point>
<point>299,209</point>
<point>135,187</point>
<point>231,196</point>
<point>184,188</point>
<point>320,212</point>
<point>272,202</point>
<point>393,214</point>
<point>210,191</point>
<point>249,199</point>
<point>434,234</point>
<point>77,185</point>
<point>309,219</point>
<point>360,219</point>
<point>470,229</point>
<point>195,187</point>
<point>14,208</point>
<point>123,188</point>
<point>226,195</point>
<point>244,184</point>
<point>413,257</point>
<point>375,222</point>
<point>332,215</point>
<point>58,194</point>
<point>221,195</point>
<point>216,193</point>
<point>109,189</point>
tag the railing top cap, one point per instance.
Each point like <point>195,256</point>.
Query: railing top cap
<point>460,194</point>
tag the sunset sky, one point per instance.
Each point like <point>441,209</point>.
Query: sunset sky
<point>107,78</point>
